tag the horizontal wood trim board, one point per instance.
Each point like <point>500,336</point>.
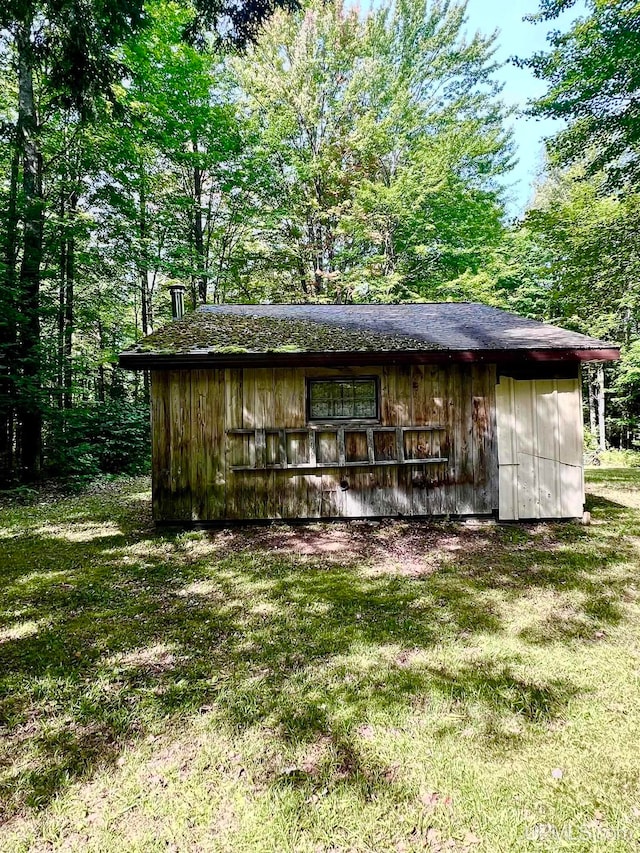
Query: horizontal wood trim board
<point>365,464</point>
<point>333,428</point>
<point>310,520</point>
<point>186,361</point>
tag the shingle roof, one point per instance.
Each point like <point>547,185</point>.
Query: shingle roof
<point>216,331</point>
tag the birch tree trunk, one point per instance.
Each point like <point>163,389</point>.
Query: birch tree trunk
<point>602,439</point>
<point>593,417</point>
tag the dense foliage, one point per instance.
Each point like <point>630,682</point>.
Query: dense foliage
<point>339,157</point>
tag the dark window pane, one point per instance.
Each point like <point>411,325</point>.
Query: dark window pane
<point>342,399</point>
<point>365,409</point>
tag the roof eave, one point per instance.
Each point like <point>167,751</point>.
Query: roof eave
<point>133,360</point>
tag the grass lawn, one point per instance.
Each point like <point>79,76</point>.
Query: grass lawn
<point>399,687</point>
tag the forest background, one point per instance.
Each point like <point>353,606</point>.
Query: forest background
<point>262,152</point>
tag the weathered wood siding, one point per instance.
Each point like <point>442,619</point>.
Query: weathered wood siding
<point>539,425</point>
<point>196,451</point>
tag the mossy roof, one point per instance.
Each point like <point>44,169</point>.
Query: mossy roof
<point>217,331</point>
<point>220,332</point>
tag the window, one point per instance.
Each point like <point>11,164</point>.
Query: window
<point>342,399</point>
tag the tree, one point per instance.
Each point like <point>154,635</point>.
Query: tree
<point>593,73</point>
<point>386,136</point>
<point>187,111</point>
<point>75,51</point>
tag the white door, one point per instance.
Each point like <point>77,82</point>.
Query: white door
<point>539,448</point>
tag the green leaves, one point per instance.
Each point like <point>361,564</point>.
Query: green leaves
<point>386,135</point>
<point>593,73</point>
<point>111,437</point>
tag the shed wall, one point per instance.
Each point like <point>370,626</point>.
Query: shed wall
<point>207,424</point>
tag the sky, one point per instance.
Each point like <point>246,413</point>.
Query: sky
<point>520,38</point>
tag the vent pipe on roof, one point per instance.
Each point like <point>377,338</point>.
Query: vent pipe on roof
<point>177,300</point>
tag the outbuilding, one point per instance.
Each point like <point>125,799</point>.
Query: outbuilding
<point>353,411</point>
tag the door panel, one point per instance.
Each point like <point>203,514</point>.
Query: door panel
<point>539,448</point>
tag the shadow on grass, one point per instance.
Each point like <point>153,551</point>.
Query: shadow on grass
<point>597,502</point>
<point>110,631</point>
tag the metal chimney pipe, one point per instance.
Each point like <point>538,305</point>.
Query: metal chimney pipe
<point>177,300</point>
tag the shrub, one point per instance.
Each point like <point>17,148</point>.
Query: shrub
<point>94,438</point>
<point>620,458</point>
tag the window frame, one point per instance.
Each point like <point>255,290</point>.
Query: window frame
<point>349,420</point>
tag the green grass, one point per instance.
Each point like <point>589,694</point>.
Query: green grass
<point>399,687</point>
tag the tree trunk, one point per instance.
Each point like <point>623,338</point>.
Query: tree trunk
<point>62,294</point>
<point>198,234</point>
<point>8,325</point>
<point>101,383</point>
<point>143,271</point>
<point>593,426</point>
<point>602,439</point>
<point>29,404</point>
<point>70,275</point>
<point>143,264</point>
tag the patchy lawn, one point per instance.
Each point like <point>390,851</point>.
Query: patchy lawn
<point>399,687</point>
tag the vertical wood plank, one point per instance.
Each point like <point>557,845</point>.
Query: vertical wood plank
<point>299,486</point>
<point>450,385</point>
<point>507,449</point>
<point>388,476</point>
<point>282,381</point>
<point>549,495</point>
<point>282,447</point>
<point>233,402</point>
<point>388,395</point>
<point>180,455</point>
<point>294,491</point>
<point>571,447</point>
<point>435,417</point>
<point>327,447</point>
<point>332,494</point>
<point>341,448</point>
<point>201,474</point>
<point>527,438</point>
<point>247,479</point>
<point>264,414</point>
<point>161,445</point>
<point>218,494</point>
<point>465,486</point>
<point>490,441</point>
<point>404,417</point>
<point>370,448</point>
<point>420,392</point>
<point>482,380</point>
<point>261,449</point>
<point>420,443</point>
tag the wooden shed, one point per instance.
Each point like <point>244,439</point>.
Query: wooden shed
<point>336,411</point>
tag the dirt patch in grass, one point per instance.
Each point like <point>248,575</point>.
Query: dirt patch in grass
<point>402,548</point>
